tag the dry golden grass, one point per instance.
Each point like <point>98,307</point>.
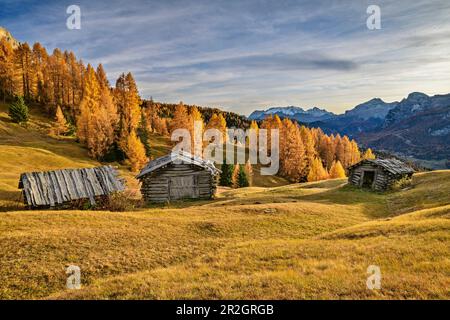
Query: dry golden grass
<point>302,241</point>
<point>304,245</point>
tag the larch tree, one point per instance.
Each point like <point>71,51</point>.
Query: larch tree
<point>135,151</point>
<point>160,126</point>
<point>249,172</point>
<point>128,105</point>
<point>86,123</point>
<point>271,123</point>
<point>339,149</point>
<point>310,151</point>
<point>60,126</point>
<point>337,170</point>
<point>75,71</point>
<point>368,154</point>
<point>97,118</point>
<point>355,153</point>
<point>316,171</point>
<point>24,70</point>
<point>293,158</point>
<point>6,69</point>
<point>107,117</point>
<point>39,60</point>
<point>235,176</point>
<point>156,123</point>
<point>196,119</point>
<point>180,118</point>
<point>326,150</point>
<point>218,122</point>
<point>254,126</point>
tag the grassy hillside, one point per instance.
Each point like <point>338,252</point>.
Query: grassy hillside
<point>312,240</point>
<point>298,241</point>
<point>31,149</point>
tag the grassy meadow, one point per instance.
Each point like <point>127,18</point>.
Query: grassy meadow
<point>273,241</point>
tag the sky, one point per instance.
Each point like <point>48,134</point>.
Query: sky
<point>247,55</point>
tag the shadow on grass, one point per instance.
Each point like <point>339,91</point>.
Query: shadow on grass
<point>374,203</point>
<point>186,203</point>
<point>11,201</point>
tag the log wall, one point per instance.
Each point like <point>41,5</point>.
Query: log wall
<point>177,182</point>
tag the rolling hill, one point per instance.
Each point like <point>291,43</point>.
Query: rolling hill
<point>299,241</point>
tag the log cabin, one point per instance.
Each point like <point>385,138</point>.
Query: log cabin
<point>60,188</point>
<point>378,174</point>
<point>178,176</point>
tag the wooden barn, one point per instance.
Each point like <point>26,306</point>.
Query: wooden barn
<point>59,188</point>
<point>378,174</point>
<point>176,176</point>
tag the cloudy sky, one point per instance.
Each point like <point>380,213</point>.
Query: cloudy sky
<point>246,55</point>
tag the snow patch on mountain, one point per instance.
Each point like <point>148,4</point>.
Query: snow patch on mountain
<point>293,112</point>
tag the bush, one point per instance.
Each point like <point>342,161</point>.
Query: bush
<point>18,111</point>
<point>401,184</point>
<point>121,201</point>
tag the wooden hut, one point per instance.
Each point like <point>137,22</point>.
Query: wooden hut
<point>60,187</point>
<point>176,176</point>
<point>378,174</point>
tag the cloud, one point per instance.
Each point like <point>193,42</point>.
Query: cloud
<point>245,55</point>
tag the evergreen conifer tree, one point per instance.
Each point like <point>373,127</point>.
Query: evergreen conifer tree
<point>226,177</point>
<point>18,111</point>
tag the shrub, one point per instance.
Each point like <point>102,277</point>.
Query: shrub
<point>121,201</point>
<point>18,111</point>
<point>401,184</point>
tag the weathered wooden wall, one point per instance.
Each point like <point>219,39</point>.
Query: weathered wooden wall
<point>178,181</point>
<point>383,179</point>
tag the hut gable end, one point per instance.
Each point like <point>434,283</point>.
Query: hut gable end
<point>178,176</point>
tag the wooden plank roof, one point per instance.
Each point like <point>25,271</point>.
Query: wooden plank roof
<point>393,166</point>
<point>181,157</point>
<point>50,188</point>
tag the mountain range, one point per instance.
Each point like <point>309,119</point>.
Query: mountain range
<point>296,113</point>
<point>417,127</point>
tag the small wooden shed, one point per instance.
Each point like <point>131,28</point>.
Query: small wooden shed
<point>378,174</point>
<point>176,176</point>
<point>60,187</point>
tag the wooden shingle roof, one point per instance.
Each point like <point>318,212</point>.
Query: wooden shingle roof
<point>181,157</point>
<point>51,188</point>
<point>393,166</point>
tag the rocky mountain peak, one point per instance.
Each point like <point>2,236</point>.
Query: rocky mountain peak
<point>4,33</point>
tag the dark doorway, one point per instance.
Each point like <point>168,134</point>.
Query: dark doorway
<point>368,178</point>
